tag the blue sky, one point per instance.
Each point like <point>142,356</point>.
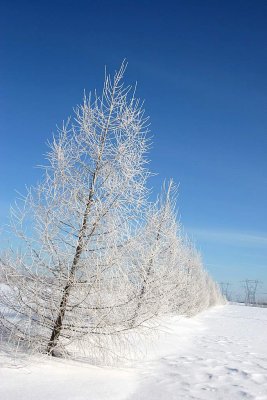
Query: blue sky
<point>200,66</point>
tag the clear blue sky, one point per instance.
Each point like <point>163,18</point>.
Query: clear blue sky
<point>201,67</point>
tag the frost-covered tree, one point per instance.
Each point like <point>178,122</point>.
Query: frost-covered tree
<point>158,246</point>
<point>195,290</point>
<point>66,280</point>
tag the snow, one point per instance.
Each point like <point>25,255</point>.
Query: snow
<point>221,354</point>
<point>225,360</point>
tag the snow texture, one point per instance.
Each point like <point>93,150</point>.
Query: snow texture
<point>221,354</point>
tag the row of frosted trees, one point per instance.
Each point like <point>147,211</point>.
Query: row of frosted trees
<point>97,259</point>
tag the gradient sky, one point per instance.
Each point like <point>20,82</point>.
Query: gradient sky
<point>201,67</point>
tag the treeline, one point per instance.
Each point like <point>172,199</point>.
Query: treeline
<point>97,259</point>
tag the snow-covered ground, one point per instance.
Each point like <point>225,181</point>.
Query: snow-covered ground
<point>220,354</point>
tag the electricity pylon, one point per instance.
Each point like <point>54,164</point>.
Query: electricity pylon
<point>250,287</point>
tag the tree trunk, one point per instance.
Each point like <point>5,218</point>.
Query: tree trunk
<point>66,291</point>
